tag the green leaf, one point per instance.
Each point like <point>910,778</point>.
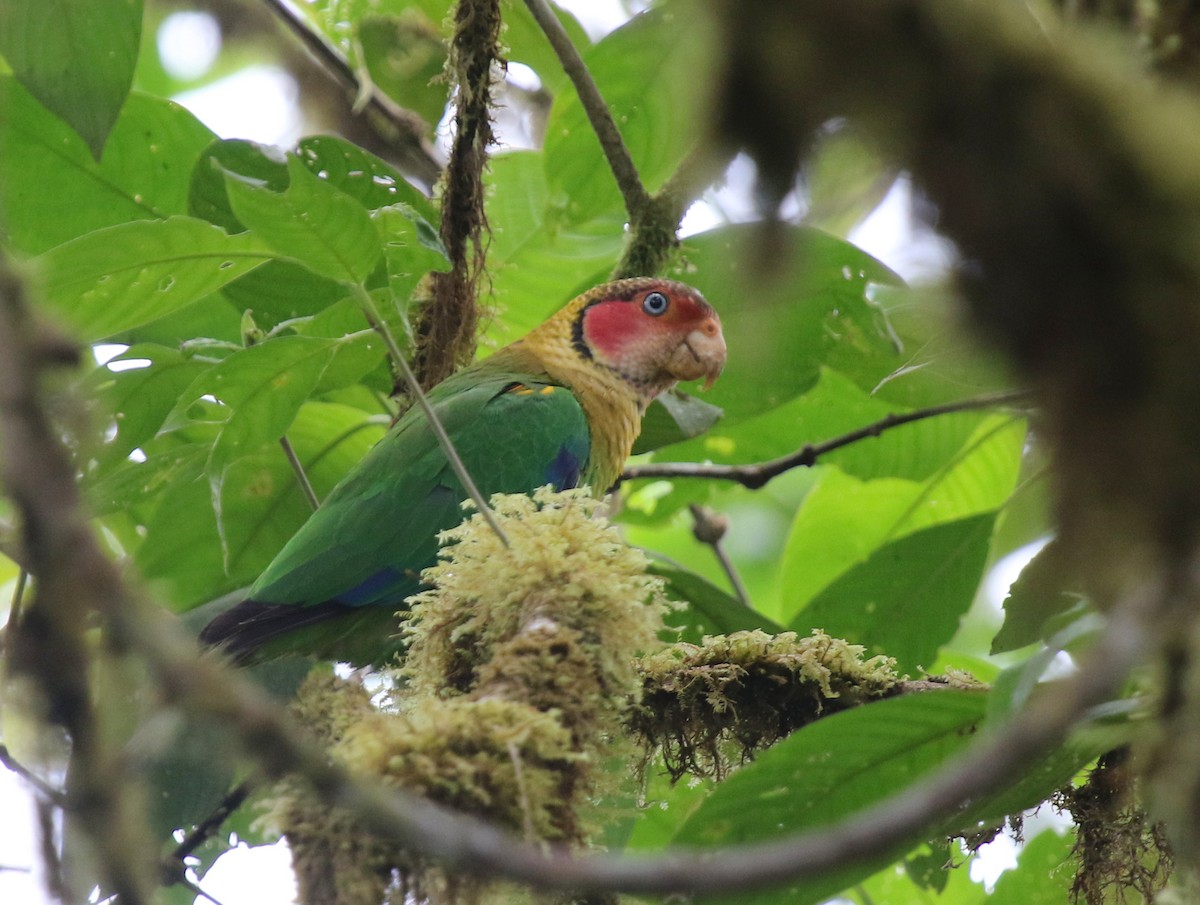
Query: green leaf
<point>410,250</point>
<point>830,769</point>
<point>652,73</point>
<point>373,182</point>
<point>259,503</point>
<point>120,277</point>
<point>76,58</point>
<point>527,44</point>
<point>815,310</point>
<point>844,520</point>
<point>672,417</point>
<point>710,610</point>
<point>263,387</point>
<point>405,55</point>
<point>140,398</point>
<point>51,190</point>
<point>1039,596</point>
<point>311,221</point>
<point>834,407</point>
<point>906,600</point>
<point>539,260</point>
<point>1043,875</point>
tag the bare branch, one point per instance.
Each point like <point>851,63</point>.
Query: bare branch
<point>43,788</point>
<point>757,475</point>
<point>619,160</point>
<point>709,528</point>
<point>298,469</point>
<point>404,130</point>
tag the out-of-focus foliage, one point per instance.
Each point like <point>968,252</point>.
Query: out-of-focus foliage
<point>233,274</point>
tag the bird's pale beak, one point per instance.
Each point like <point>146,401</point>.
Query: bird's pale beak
<point>701,354</point>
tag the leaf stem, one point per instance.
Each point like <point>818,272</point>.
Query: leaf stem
<point>301,477</point>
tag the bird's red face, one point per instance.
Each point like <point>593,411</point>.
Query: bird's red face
<point>654,333</point>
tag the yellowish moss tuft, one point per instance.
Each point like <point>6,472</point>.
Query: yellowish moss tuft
<point>713,705</point>
<point>500,760</point>
<point>568,593</point>
<point>333,858</point>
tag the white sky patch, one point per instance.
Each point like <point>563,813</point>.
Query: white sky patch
<point>188,44</point>
<point>258,103</point>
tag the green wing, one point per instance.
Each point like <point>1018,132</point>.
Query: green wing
<point>363,550</point>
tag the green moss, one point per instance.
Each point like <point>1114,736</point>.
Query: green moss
<point>562,612</point>
<point>713,705</point>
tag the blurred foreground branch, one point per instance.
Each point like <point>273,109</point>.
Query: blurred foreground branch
<point>41,480</point>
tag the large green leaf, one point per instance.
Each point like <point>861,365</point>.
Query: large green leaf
<point>116,278</point>
<point>844,520</point>
<point>814,309</point>
<point>259,505</point>
<point>526,43</point>
<point>652,74</point>
<point>829,770</point>
<point>404,56</point>
<point>907,598</point>
<point>709,611</point>
<point>539,260</point>
<point>140,398</point>
<point>263,387</point>
<point>311,221</point>
<point>76,58</point>
<point>51,189</point>
<point>834,407</point>
<point>1045,591</point>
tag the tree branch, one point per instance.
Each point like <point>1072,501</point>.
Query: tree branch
<point>620,162</point>
<point>757,475</point>
<point>42,482</point>
<point>404,130</point>
<point>47,649</point>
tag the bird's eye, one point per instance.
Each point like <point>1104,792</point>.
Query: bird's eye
<point>655,304</point>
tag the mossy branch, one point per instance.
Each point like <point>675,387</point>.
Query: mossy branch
<point>446,325</point>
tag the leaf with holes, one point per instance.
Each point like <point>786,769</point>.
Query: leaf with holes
<point>116,278</point>
<point>310,221</point>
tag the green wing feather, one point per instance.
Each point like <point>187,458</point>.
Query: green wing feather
<point>352,564</point>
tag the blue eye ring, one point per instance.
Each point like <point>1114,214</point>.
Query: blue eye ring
<point>655,304</point>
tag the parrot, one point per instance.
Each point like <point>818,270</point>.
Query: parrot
<point>561,406</point>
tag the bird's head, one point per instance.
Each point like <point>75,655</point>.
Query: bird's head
<point>651,332</point>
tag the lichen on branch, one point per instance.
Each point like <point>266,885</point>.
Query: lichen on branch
<point>711,706</point>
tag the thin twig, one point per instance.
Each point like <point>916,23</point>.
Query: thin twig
<point>43,788</point>
<point>174,867</point>
<point>756,475</point>
<point>298,469</point>
<point>709,528</point>
<point>619,160</point>
<point>414,387</point>
<point>14,607</point>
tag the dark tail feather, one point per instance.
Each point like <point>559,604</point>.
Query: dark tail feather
<point>242,630</point>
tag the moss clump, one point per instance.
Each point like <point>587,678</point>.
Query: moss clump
<point>520,671</point>
<point>333,858</point>
<point>713,705</point>
<point>500,760</point>
<point>1122,855</point>
<point>561,613</point>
